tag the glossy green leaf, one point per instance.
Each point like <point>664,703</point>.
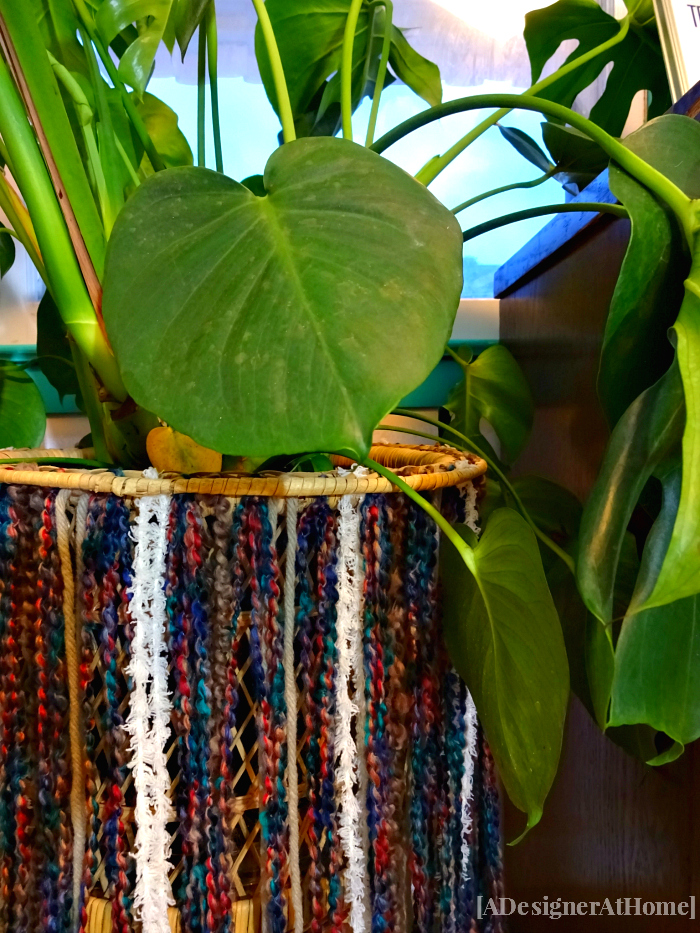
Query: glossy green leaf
<point>505,640</point>
<point>7,252</point>
<point>151,18</point>
<point>642,439</point>
<point>187,15</point>
<point>309,36</point>
<point>649,289</point>
<point>670,475</point>
<point>679,576</point>
<point>637,59</point>
<point>579,159</point>
<point>162,125</point>
<point>494,388</point>
<point>269,316</point>
<point>553,508</point>
<point>416,72</point>
<point>22,414</point>
<point>59,29</point>
<point>657,671</point>
<point>53,349</point>
<point>671,143</point>
<point>526,146</point>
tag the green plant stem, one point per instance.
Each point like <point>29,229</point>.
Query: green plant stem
<point>212,65</point>
<point>383,63</point>
<point>93,407</point>
<point>64,276</point>
<point>25,236</point>
<point>570,208</point>
<point>109,66</point>
<point>58,461</point>
<point>463,548</point>
<point>472,447</point>
<point>113,195</point>
<point>283,102</point>
<point>201,94</point>
<point>85,118</point>
<point>502,190</point>
<point>432,169</point>
<point>127,162</point>
<point>346,68</point>
<point>657,182</point>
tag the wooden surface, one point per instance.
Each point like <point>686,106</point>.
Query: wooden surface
<point>612,826</point>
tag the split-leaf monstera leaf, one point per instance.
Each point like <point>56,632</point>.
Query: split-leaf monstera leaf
<point>637,60</point>
<point>286,323</point>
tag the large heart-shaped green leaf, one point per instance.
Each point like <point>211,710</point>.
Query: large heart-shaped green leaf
<point>505,640</point>
<point>493,388</point>
<point>286,323</point>
<point>643,438</point>
<point>22,414</point>
<point>637,59</point>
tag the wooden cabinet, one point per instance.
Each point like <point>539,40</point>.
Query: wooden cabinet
<point>613,827</point>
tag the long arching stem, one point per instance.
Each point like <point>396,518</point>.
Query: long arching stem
<point>381,72</point>
<point>433,168</point>
<point>570,208</point>
<point>468,445</point>
<point>676,199</point>
<point>346,68</point>
<point>504,188</point>
<point>281,90</point>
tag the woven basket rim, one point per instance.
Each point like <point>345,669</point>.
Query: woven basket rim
<point>423,467</point>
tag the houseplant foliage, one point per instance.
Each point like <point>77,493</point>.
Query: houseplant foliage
<point>264,316</point>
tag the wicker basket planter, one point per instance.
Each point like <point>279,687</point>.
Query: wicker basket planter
<point>70,631</point>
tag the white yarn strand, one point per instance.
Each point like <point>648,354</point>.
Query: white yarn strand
<point>470,751</point>
<point>290,695</point>
<point>148,721</point>
<point>350,771</point>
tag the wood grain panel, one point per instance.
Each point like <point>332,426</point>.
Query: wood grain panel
<point>613,827</point>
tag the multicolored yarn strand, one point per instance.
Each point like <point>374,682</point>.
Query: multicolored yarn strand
<point>378,653</point>
<point>52,726</point>
<point>267,653</point>
<point>114,566</point>
<point>92,541</point>
<point>225,589</point>
<point>8,700</point>
<point>419,583</point>
<point>493,855</point>
<point>26,896</point>
<point>189,647</point>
